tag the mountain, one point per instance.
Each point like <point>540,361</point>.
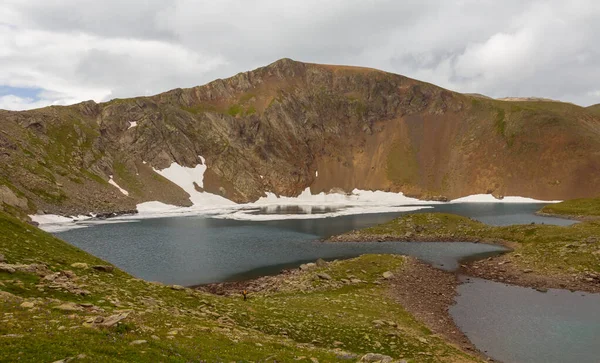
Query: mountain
<point>595,109</point>
<point>292,125</point>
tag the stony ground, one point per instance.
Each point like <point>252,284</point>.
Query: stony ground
<point>544,256</point>
<point>58,303</point>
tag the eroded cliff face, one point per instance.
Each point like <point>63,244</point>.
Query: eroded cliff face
<point>273,128</point>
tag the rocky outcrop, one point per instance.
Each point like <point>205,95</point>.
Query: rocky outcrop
<point>292,125</point>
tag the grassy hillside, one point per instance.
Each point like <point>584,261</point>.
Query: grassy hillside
<point>59,302</point>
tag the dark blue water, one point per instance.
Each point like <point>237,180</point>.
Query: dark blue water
<point>516,324</point>
<point>196,250</point>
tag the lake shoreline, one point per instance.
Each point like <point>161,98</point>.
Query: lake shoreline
<point>573,217</point>
<point>498,268</point>
<point>410,286</point>
<point>419,282</point>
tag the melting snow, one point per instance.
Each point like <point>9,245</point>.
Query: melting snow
<point>132,124</point>
<point>488,198</point>
<point>111,181</point>
<point>186,177</point>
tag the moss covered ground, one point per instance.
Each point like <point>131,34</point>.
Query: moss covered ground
<point>55,305</point>
<point>576,208</point>
<point>542,248</point>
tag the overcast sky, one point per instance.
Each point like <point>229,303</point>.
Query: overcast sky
<point>67,51</point>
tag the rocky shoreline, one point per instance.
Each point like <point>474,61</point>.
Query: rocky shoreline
<point>419,283</point>
<point>411,285</point>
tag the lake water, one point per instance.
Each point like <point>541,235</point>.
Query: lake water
<point>196,250</point>
<point>510,323</point>
<point>516,324</point>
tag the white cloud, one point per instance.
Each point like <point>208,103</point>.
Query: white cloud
<point>79,50</point>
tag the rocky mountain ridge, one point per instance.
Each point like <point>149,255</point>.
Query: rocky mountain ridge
<point>292,125</point>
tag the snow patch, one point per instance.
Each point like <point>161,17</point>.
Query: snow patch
<point>185,178</point>
<point>112,182</point>
<point>54,223</point>
<point>488,198</point>
<point>132,124</point>
<point>316,173</point>
<point>357,197</point>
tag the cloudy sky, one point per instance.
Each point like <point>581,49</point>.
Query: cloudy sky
<point>67,51</point>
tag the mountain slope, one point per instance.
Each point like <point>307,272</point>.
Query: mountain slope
<point>595,109</point>
<point>274,128</point>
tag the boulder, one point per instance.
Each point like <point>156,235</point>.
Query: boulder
<point>138,342</point>
<point>114,319</point>
<point>7,196</point>
<point>323,276</point>
<point>388,275</point>
<point>103,268</point>
<point>80,265</point>
<point>27,305</point>
<point>7,296</point>
<point>321,263</point>
<point>4,267</point>
<point>376,358</point>
<point>68,306</point>
<point>307,266</point>
<point>177,287</point>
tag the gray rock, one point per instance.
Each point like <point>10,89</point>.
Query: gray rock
<point>376,358</point>
<point>27,305</point>
<point>323,276</point>
<point>80,265</point>
<point>4,267</point>
<point>7,196</point>
<point>103,268</point>
<point>388,275</point>
<point>138,342</point>
<point>307,266</point>
<point>114,319</point>
<point>177,287</point>
<point>68,306</point>
<point>321,263</point>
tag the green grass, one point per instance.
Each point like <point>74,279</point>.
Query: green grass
<point>306,318</point>
<point>235,110</point>
<point>575,207</point>
<point>544,248</point>
<point>201,108</point>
